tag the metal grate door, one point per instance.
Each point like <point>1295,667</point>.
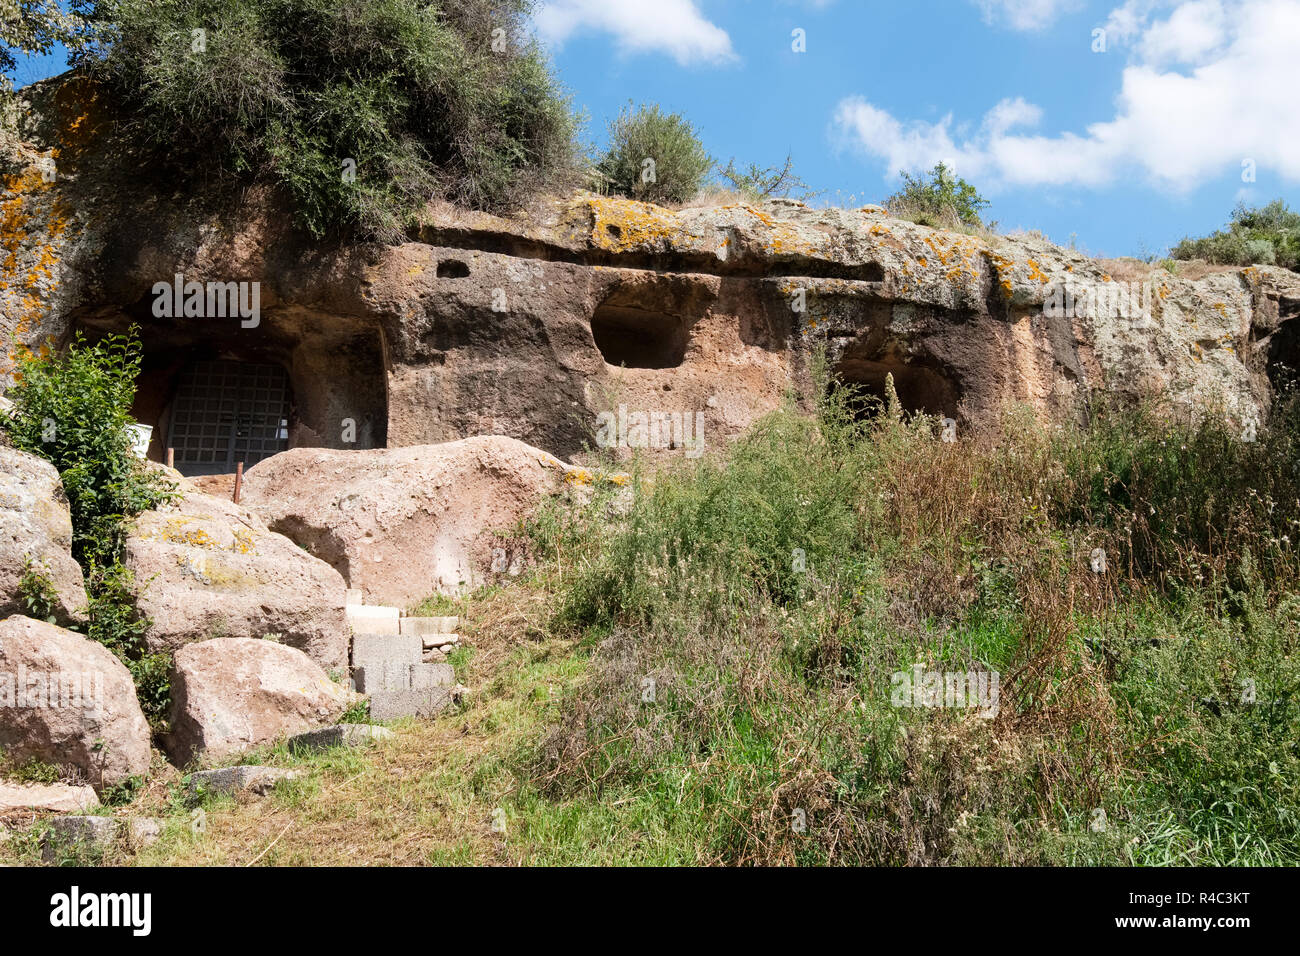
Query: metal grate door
<point>228,412</point>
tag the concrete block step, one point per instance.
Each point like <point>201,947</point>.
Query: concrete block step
<point>429,625</point>
<point>426,676</point>
<point>340,735</point>
<point>390,676</point>
<point>370,649</point>
<point>354,596</point>
<point>373,619</point>
<point>412,702</point>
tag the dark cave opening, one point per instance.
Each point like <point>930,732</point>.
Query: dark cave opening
<point>638,338</point>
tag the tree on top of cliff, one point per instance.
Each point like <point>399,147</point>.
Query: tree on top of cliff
<point>34,27</point>
<point>362,110</point>
<point>939,199</point>
<point>653,156</point>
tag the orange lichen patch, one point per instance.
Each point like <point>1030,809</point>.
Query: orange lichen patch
<point>177,531</point>
<point>1036,273</point>
<point>620,225</point>
<point>584,478</point>
<point>244,541</point>
<point>32,221</point>
<point>1221,309</point>
<point>922,261</point>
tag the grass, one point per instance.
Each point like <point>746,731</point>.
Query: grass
<point>705,677</point>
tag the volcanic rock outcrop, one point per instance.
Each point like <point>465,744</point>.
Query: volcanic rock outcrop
<point>532,327</point>
<point>401,523</point>
<point>67,701</point>
<point>204,567</point>
<point>36,536</point>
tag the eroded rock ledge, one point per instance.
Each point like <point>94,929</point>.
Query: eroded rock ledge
<point>531,327</point>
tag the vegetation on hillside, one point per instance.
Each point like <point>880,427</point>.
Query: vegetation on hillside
<point>1260,235</point>
<point>361,111</point>
<point>653,156</point>
<point>73,409</point>
<point>34,27</point>
<point>937,198</point>
<point>756,182</point>
<point>702,668</point>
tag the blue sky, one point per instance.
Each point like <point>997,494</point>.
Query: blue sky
<point>1128,149</point>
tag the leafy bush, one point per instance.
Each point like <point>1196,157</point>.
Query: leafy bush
<point>34,27</point>
<point>36,590</point>
<point>73,409</point>
<point>772,182</point>
<point>653,156</point>
<point>363,111</point>
<point>937,199</point>
<point>1263,235</point>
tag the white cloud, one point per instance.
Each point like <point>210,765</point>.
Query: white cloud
<point>1190,35</point>
<point>1233,99</point>
<point>675,27</point>
<point>1026,14</point>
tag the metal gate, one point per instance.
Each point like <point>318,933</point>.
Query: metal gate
<point>227,412</point>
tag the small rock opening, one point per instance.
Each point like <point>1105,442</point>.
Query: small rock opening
<point>921,389</point>
<point>1284,353</point>
<point>453,269</point>
<point>639,338</point>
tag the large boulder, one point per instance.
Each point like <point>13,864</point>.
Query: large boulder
<point>66,700</point>
<point>35,525</point>
<point>206,568</point>
<point>402,523</point>
<point>232,694</point>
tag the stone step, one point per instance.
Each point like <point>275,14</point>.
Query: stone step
<point>372,612</point>
<point>429,625</point>
<point>439,640</point>
<point>340,735</point>
<point>98,834</point>
<point>228,781</point>
<point>354,596</point>
<point>411,702</point>
<point>392,676</point>
<point>376,649</point>
<point>373,619</point>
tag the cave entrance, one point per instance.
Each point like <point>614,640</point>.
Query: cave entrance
<point>1284,352</point>
<point>638,338</point>
<point>226,412</point>
<point>921,389</point>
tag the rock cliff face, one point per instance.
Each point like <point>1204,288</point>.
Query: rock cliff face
<point>533,327</point>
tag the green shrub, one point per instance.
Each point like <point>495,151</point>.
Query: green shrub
<point>362,111</point>
<point>36,590</point>
<point>1263,235</point>
<point>772,182</point>
<point>653,156</point>
<point>73,409</point>
<point>937,199</point>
